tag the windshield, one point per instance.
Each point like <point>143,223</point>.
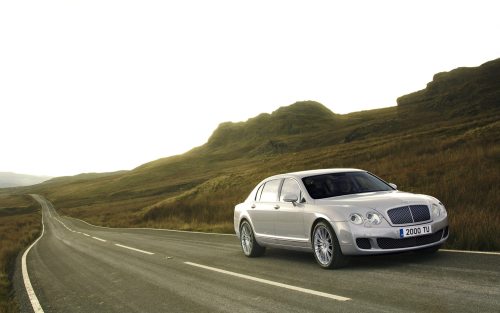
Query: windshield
<point>339,184</point>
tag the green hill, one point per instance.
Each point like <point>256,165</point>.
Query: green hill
<point>276,132</point>
<point>442,141</point>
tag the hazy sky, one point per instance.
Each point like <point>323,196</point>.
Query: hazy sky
<point>93,86</point>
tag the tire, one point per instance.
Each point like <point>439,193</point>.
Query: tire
<point>429,250</point>
<point>326,247</point>
<point>249,245</point>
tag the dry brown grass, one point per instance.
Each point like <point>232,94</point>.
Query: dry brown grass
<point>20,224</point>
<point>454,158</point>
<point>462,174</point>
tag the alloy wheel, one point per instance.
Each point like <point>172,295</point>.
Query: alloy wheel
<point>323,245</point>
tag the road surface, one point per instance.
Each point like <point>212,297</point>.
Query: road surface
<point>77,267</point>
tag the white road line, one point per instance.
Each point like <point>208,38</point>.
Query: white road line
<point>99,239</point>
<point>272,283</point>
<point>63,224</point>
<point>86,234</point>
<point>134,249</point>
<point>471,252</point>
<point>37,308</point>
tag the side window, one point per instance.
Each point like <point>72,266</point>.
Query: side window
<point>259,192</point>
<point>270,191</point>
<point>290,186</point>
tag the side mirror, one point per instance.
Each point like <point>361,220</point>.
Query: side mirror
<point>290,198</point>
<point>393,186</point>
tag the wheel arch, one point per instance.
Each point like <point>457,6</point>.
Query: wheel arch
<point>339,259</point>
<point>244,217</point>
<point>317,218</point>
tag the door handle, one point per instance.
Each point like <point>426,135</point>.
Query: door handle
<point>276,206</point>
<point>253,206</point>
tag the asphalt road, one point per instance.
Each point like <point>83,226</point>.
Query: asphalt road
<point>76,267</point>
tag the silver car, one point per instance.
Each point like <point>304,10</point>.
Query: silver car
<point>336,213</point>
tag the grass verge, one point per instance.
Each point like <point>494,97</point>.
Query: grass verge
<point>20,224</point>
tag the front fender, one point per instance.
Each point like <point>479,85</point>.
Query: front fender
<point>341,227</point>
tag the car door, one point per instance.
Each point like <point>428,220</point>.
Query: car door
<point>262,211</point>
<point>289,219</point>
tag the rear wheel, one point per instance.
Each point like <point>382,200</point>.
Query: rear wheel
<point>326,247</point>
<point>249,245</point>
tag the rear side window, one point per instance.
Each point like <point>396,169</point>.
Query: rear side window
<point>259,192</point>
<point>270,191</point>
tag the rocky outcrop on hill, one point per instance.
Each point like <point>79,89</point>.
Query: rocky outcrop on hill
<point>465,90</point>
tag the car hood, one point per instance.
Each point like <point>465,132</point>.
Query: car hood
<point>380,201</point>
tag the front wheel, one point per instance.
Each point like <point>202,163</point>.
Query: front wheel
<point>250,246</point>
<point>326,247</point>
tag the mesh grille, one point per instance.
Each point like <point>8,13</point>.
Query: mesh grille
<point>363,243</point>
<point>390,243</point>
<point>409,214</point>
<point>420,213</point>
<point>400,215</point>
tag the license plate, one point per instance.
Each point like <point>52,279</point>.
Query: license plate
<point>414,231</point>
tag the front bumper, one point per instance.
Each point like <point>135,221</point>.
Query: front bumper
<point>360,240</point>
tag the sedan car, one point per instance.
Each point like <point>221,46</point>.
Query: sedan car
<point>336,213</point>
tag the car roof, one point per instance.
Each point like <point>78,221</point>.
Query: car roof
<point>302,174</point>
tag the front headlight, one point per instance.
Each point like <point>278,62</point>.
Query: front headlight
<point>438,210</point>
<point>356,218</point>
<point>373,218</point>
<point>435,210</point>
<point>442,209</point>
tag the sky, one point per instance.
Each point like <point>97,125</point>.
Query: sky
<point>104,85</point>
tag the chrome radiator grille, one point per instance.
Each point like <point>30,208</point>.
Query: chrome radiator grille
<point>409,214</point>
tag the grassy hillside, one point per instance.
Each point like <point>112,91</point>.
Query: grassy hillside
<point>20,224</point>
<point>464,90</point>
<point>441,141</point>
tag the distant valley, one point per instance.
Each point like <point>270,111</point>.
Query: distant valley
<point>8,179</point>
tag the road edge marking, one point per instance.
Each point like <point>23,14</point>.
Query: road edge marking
<point>471,252</point>
<point>134,249</point>
<point>37,308</point>
<point>272,283</point>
